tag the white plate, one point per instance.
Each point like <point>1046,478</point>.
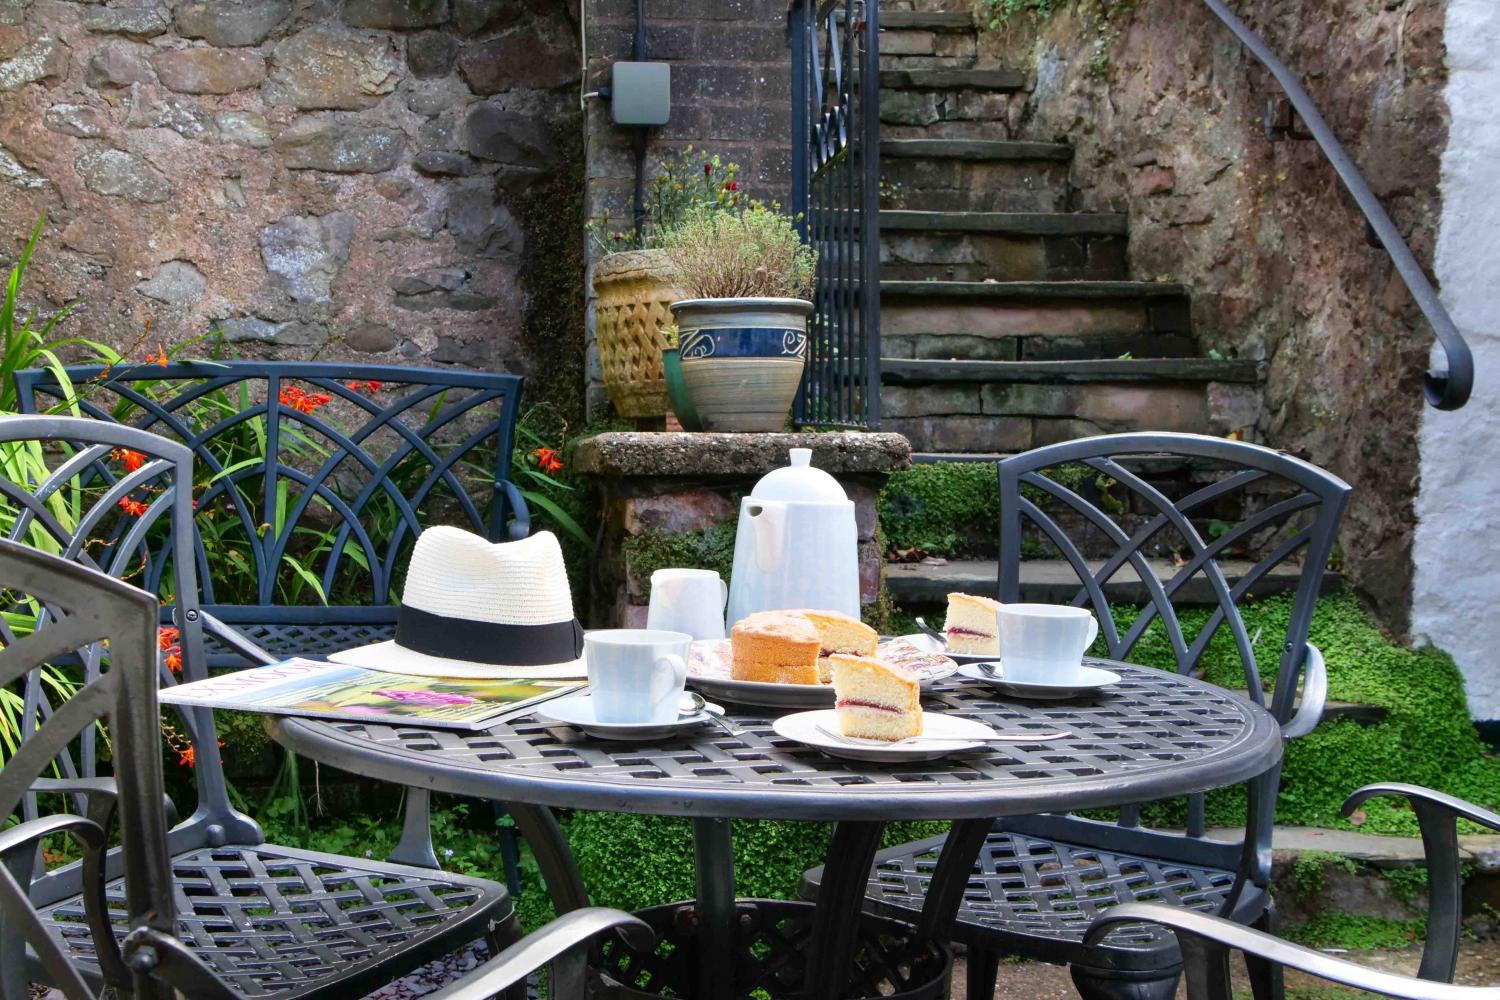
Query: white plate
<point>577,710</point>
<point>928,644</point>
<point>708,671</point>
<point>1092,680</point>
<point>803,727</point>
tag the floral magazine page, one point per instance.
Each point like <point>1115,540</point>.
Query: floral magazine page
<point>337,691</point>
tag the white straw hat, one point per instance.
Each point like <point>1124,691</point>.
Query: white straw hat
<point>473,608</point>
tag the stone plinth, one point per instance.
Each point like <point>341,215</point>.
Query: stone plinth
<point>673,499</point>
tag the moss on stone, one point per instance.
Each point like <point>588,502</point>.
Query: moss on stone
<point>707,548</point>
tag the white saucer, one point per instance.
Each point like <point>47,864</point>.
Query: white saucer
<point>803,727</point>
<point>577,710</point>
<point>1089,681</point>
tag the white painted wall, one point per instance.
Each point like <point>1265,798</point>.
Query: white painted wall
<point>1456,593</point>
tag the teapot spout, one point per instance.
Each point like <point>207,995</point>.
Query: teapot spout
<point>768,522</point>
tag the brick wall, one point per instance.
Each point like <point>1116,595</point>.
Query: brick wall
<point>731,95</point>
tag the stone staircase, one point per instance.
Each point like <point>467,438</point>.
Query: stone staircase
<point>1009,320</point>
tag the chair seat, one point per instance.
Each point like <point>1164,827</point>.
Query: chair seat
<point>1036,897</point>
<point>285,641</point>
<point>280,922</point>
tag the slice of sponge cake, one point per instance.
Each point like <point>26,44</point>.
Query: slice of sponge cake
<point>971,626</point>
<point>840,633</point>
<point>875,700</point>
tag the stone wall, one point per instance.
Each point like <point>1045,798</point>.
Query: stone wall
<point>330,178</point>
<point>731,95</point>
<point>1165,111</point>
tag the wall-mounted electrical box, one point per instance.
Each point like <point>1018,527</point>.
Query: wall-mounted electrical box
<point>641,93</point>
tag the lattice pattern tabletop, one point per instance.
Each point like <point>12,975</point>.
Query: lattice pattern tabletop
<point>1154,735</point>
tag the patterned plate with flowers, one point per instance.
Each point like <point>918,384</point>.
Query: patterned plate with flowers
<point>708,672</point>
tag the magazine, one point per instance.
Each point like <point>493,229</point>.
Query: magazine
<point>338,691</point>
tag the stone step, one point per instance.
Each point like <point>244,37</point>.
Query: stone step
<point>1001,246</point>
<point>1035,320</point>
<point>925,20</point>
<point>962,175</point>
<point>964,112</point>
<point>1004,406</point>
<point>911,371</point>
<point>1053,581</point>
<point>993,80</point>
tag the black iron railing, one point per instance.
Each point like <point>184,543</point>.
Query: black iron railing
<point>836,189</point>
<point>1451,378</point>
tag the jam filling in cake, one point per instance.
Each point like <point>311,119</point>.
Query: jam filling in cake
<point>874,699</point>
<point>970,625</point>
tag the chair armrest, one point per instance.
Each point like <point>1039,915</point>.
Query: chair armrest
<point>91,835</point>
<point>520,526</point>
<point>1437,817</point>
<point>1314,696</point>
<point>100,794</point>
<point>561,936</point>
<point>231,637</point>
<point>1207,940</point>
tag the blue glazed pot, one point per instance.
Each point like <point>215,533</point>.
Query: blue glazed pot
<point>742,359</point>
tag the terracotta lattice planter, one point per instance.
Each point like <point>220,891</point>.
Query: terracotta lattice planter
<point>634,289</point>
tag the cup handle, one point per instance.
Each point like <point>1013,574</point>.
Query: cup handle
<point>1093,632</point>
<point>679,668</point>
<point>723,595</point>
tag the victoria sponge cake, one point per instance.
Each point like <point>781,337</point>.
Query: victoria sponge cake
<point>875,700</point>
<point>971,626</point>
<point>775,647</point>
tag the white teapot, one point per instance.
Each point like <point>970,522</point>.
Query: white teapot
<point>797,546</point>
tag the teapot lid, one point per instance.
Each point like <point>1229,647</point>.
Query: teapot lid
<point>799,482</point>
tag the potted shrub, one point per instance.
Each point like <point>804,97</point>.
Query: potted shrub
<point>635,284</point>
<point>742,335</point>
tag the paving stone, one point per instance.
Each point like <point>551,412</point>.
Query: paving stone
<point>231,22</point>
<point>41,59</point>
<point>209,70</point>
<point>119,174</point>
<point>395,14</point>
<point>177,283</point>
<point>138,20</point>
<point>82,121</point>
<point>118,65</point>
<point>431,54</point>
<point>339,146</point>
<point>325,68</point>
<point>504,136</point>
<point>243,128</point>
<point>305,253</point>
<point>517,59</point>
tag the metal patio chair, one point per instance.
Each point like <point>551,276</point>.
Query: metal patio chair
<point>1039,880</point>
<point>426,445</point>
<point>133,924</point>
<point>269,920</point>
<point>1205,940</point>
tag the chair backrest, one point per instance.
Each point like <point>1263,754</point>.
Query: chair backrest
<point>111,498</point>
<point>315,478</point>
<point>59,611</point>
<point>1280,509</point>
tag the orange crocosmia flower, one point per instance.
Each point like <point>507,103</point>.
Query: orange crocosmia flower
<point>187,756</point>
<point>303,401</point>
<point>132,460</point>
<point>132,507</point>
<point>548,460</point>
<point>174,659</point>
<point>159,358</point>
<point>166,637</point>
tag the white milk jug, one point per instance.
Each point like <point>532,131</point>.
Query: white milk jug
<point>796,546</point>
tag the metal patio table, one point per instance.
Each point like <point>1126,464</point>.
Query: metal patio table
<point>1155,735</point>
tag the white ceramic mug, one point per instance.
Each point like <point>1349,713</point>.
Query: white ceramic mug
<point>688,600</point>
<point>635,674</point>
<point>1044,643</point>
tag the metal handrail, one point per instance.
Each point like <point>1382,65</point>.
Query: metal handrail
<point>1448,386</point>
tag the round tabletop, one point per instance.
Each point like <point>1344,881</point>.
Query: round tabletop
<point>1154,735</point>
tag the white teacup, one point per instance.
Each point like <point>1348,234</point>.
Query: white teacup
<point>688,600</point>
<point>636,675</point>
<point>1044,643</point>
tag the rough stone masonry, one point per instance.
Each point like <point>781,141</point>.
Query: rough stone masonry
<point>330,178</point>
